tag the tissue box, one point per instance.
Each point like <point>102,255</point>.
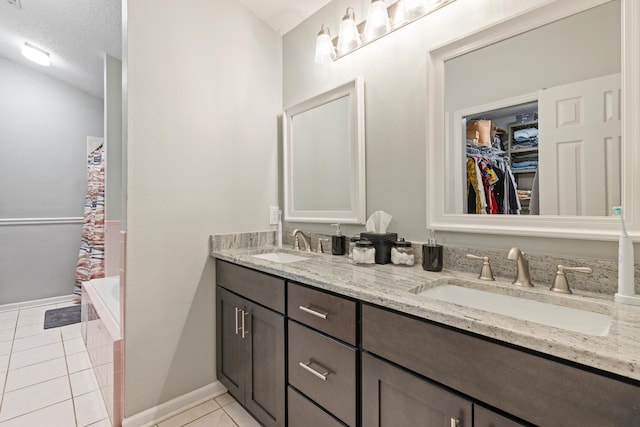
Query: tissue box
<point>382,242</point>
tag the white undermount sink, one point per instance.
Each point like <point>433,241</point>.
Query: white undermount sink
<point>567,318</point>
<point>281,257</point>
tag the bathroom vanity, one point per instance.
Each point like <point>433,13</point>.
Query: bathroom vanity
<point>363,348</point>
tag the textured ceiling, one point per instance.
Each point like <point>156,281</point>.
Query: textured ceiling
<point>76,32</point>
<point>283,15</point>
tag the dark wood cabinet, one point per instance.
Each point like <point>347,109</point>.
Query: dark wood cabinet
<point>250,356</point>
<point>483,417</point>
<point>392,397</point>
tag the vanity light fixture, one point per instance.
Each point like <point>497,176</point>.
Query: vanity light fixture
<point>36,54</point>
<point>378,24</point>
<point>377,21</point>
<point>325,50</point>
<point>348,37</point>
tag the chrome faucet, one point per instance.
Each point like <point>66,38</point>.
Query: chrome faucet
<point>305,239</point>
<point>522,270</point>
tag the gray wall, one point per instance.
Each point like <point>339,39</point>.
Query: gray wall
<point>43,129</point>
<point>113,137</point>
<point>394,70</point>
<point>203,96</point>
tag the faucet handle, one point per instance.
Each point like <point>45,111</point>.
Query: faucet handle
<point>321,241</point>
<point>485,273</point>
<point>560,282</point>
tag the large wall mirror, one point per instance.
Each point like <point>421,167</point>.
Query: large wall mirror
<point>324,155</point>
<point>529,134</point>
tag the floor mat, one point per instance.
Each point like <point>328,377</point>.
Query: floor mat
<point>62,316</point>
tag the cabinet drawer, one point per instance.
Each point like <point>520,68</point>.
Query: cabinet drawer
<point>323,369</point>
<point>531,387</point>
<point>253,285</point>
<point>304,413</point>
<point>328,313</point>
<point>483,417</point>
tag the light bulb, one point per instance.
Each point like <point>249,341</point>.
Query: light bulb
<point>325,51</point>
<point>377,20</point>
<point>348,37</point>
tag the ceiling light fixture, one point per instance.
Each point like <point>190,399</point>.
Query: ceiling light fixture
<point>325,50</point>
<point>36,54</point>
<point>348,37</point>
<point>377,25</point>
<point>377,21</point>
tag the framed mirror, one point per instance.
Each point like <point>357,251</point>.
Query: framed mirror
<point>506,69</point>
<point>324,157</point>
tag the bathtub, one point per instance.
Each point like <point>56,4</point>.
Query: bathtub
<point>103,337</point>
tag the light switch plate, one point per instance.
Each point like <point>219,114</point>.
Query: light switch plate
<point>273,215</point>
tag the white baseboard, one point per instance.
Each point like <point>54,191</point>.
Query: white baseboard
<point>38,302</point>
<point>163,411</point>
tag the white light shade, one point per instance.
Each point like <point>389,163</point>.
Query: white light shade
<point>325,51</point>
<point>35,54</point>
<point>348,37</point>
<point>377,20</point>
<point>413,8</point>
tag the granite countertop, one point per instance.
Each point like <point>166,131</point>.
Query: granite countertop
<point>397,288</point>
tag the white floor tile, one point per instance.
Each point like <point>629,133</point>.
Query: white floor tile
<point>5,347</point>
<point>33,374</point>
<point>29,330</point>
<point>6,334</point>
<point>83,382</point>
<point>78,362</point>
<point>36,319</point>
<point>38,396</point>
<point>75,345</point>
<point>218,418</point>
<point>101,423</point>
<point>240,415</point>
<point>58,415</point>
<point>35,355</point>
<point>8,315</point>
<point>36,310</point>
<point>89,408</point>
<point>225,399</point>
<point>33,341</point>
<point>191,414</point>
<point>70,332</point>
<point>4,363</point>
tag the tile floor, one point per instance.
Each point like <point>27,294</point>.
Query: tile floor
<point>45,375</point>
<point>46,379</point>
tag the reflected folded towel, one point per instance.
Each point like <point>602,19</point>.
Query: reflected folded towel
<point>525,134</point>
<point>530,164</point>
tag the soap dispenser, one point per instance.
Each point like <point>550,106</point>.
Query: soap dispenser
<point>432,254</point>
<point>338,241</point>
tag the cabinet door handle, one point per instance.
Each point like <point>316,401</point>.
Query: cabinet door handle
<point>237,311</point>
<point>244,331</point>
<point>310,309</point>
<point>322,375</point>
<point>455,422</point>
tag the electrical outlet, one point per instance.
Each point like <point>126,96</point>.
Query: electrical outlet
<point>274,215</point>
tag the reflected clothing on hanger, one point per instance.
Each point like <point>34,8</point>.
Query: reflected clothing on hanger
<point>491,187</point>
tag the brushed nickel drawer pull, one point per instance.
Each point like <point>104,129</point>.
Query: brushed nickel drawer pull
<point>308,368</point>
<point>244,331</point>
<point>455,422</point>
<point>237,329</point>
<point>310,309</point>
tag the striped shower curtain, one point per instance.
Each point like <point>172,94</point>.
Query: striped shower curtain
<point>91,257</point>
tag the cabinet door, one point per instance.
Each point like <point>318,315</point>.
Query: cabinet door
<point>483,417</point>
<point>264,334</point>
<point>392,397</point>
<point>230,348</point>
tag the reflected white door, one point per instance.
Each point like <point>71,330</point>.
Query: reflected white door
<point>579,148</point>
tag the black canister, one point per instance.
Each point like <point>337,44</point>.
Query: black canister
<point>383,242</point>
<point>338,242</point>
